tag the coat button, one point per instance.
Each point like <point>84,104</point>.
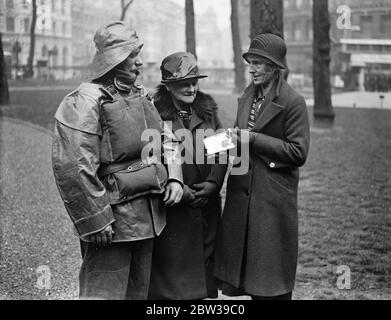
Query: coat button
<point>272,165</point>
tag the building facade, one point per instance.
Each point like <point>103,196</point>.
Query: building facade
<point>360,33</point>
<point>53,41</point>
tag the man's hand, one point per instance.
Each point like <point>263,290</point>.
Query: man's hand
<point>103,238</point>
<point>188,194</point>
<point>173,195</point>
<point>205,189</point>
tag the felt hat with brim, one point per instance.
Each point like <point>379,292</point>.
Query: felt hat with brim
<point>269,46</point>
<point>180,66</point>
<point>114,43</point>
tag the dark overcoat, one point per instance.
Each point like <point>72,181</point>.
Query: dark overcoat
<point>257,243</point>
<point>182,263</point>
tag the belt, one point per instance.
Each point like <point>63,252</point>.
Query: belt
<point>131,166</point>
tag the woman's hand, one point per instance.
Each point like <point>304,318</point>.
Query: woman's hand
<point>173,194</point>
<point>205,189</point>
<point>188,194</point>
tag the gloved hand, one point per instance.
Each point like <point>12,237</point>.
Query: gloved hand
<point>205,189</point>
<point>188,194</point>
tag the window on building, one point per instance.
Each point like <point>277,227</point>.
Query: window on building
<point>385,24</point>
<point>54,27</point>
<point>352,47</point>
<point>299,4</point>
<point>10,24</point>
<point>63,7</point>
<point>44,52</point>
<point>65,56</point>
<point>9,4</point>
<point>286,4</point>
<point>308,26</point>
<point>377,48</point>
<point>366,23</point>
<point>64,28</point>
<point>26,25</point>
<point>364,47</point>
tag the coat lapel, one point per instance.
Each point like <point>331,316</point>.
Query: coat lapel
<point>271,110</point>
<point>244,106</point>
<point>195,121</point>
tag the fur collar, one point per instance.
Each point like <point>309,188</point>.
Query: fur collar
<point>204,105</point>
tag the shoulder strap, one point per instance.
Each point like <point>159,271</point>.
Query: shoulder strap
<point>111,92</point>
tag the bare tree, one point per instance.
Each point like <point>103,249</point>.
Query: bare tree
<point>240,79</point>
<point>321,60</point>
<point>124,8</point>
<point>190,27</point>
<point>30,60</point>
<point>267,16</point>
<point>4,93</point>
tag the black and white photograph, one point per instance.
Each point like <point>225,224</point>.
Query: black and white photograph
<point>213,151</point>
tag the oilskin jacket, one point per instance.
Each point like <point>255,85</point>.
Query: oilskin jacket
<point>81,146</point>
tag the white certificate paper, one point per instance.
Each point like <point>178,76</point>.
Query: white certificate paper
<point>218,143</point>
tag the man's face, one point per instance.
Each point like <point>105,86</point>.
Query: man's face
<point>133,64</point>
<point>184,91</point>
<point>261,69</point>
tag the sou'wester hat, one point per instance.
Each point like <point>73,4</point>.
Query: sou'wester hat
<point>180,66</point>
<point>114,42</point>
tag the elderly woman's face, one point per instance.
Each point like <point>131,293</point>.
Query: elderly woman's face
<point>184,91</point>
<point>133,64</point>
<point>262,70</point>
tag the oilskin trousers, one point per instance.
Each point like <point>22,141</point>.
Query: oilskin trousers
<point>118,272</point>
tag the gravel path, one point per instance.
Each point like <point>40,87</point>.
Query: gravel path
<point>35,232</point>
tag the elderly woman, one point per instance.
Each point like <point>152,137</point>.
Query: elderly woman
<point>112,194</point>
<point>182,261</point>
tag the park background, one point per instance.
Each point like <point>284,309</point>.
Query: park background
<point>345,187</point>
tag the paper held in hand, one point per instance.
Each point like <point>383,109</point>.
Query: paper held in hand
<point>218,143</point>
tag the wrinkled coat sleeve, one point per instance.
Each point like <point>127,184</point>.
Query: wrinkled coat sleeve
<point>172,154</point>
<point>218,171</point>
<point>76,159</point>
<point>293,150</point>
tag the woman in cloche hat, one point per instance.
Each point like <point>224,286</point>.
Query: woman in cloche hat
<point>182,260</point>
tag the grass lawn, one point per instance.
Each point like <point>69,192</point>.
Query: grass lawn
<point>344,196</point>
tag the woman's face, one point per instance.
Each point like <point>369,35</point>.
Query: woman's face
<point>261,69</point>
<point>133,64</point>
<point>184,91</point>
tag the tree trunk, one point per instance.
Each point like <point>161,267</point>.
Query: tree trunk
<point>240,79</point>
<point>30,60</point>
<point>190,28</point>
<point>124,8</point>
<point>4,93</point>
<point>321,60</point>
<point>267,16</point>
